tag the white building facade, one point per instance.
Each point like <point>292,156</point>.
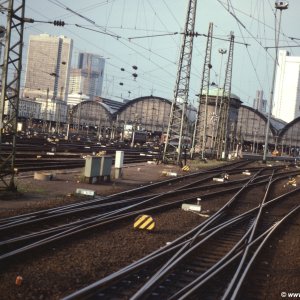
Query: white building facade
<point>48,67</point>
<point>287,87</point>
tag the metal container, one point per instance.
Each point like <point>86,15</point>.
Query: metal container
<point>105,166</point>
<point>92,166</point>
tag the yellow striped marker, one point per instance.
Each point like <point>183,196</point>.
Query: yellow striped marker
<point>292,181</point>
<point>186,168</point>
<point>144,222</point>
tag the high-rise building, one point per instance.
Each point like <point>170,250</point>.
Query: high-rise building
<point>259,102</point>
<point>87,78</point>
<point>287,87</point>
<point>48,67</point>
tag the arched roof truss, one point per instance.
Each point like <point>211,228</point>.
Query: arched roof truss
<point>290,134</point>
<point>252,124</point>
<point>150,113</point>
<point>91,113</point>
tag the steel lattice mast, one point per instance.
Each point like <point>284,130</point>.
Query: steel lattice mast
<point>9,101</point>
<point>199,135</point>
<point>181,91</point>
<point>222,125</point>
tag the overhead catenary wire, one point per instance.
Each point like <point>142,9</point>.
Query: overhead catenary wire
<point>195,34</point>
<point>98,31</point>
<point>56,2</point>
<point>94,23</point>
<point>125,45</point>
<point>156,14</point>
<point>264,23</point>
<point>240,24</point>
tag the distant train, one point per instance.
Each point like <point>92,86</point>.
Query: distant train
<point>140,136</point>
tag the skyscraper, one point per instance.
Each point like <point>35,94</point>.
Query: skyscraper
<point>87,78</point>
<point>259,102</point>
<point>287,87</point>
<point>48,67</point>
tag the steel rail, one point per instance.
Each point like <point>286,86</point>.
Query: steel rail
<point>55,230</point>
<point>26,220</point>
<point>242,278</point>
<point>113,277</point>
<point>204,278</point>
<point>189,290</point>
<point>212,219</point>
<point>136,266</point>
<point>79,229</point>
<point>68,230</point>
<point>91,203</point>
<point>83,221</point>
<point>186,249</point>
<point>97,200</point>
<point>102,199</point>
<point>112,216</point>
<point>73,226</point>
<point>246,250</point>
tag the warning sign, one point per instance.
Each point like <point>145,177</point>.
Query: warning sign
<point>144,222</point>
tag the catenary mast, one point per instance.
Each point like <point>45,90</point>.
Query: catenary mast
<point>11,73</point>
<point>222,122</point>
<point>177,120</point>
<point>199,135</point>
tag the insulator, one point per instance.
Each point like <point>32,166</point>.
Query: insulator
<point>59,23</point>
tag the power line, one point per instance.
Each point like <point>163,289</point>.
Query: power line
<point>80,36</point>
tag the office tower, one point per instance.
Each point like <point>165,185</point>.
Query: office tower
<point>87,78</point>
<point>48,67</point>
<point>287,87</point>
<point>259,102</point>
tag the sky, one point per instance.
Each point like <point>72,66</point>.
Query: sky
<point>146,34</point>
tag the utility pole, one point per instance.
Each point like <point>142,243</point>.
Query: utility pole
<point>279,5</point>
<point>69,121</point>
<point>11,73</point>
<point>181,91</point>
<point>215,116</point>
<point>200,132</point>
<point>222,121</point>
<point>46,111</point>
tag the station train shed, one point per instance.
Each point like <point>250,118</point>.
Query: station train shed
<point>247,126</point>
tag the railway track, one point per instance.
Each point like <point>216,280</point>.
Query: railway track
<point>27,165</point>
<point>221,248</point>
<point>40,154</point>
<point>231,226</point>
<point>128,200</point>
<point>50,225</point>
